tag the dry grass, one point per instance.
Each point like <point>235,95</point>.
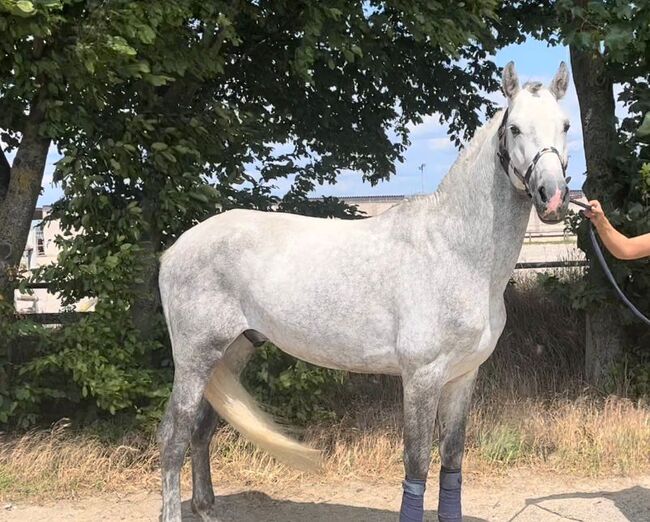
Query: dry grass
<point>61,462</point>
<point>531,409</point>
<point>584,437</point>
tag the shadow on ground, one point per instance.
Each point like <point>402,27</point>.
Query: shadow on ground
<point>257,507</point>
<point>633,503</point>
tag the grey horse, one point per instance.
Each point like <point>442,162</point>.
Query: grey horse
<point>416,292</point>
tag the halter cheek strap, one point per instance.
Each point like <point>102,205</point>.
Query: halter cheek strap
<point>504,158</point>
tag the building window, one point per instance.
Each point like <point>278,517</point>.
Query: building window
<point>40,240</point>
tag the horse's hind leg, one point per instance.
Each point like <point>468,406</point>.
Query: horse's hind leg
<point>202,491</point>
<point>453,410</point>
<point>193,366</point>
<point>421,393</point>
<point>236,356</point>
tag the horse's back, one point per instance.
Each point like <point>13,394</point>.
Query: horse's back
<point>236,223</point>
<point>246,246</point>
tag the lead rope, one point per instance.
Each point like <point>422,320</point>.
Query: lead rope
<point>608,272</point>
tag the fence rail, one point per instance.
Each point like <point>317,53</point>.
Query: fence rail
<point>64,318</point>
<point>552,264</point>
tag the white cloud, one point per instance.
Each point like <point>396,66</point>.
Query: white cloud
<point>574,145</point>
<point>429,127</point>
<point>440,144</point>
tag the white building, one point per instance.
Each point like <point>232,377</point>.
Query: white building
<point>40,250</point>
<point>543,243</point>
<point>373,205</point>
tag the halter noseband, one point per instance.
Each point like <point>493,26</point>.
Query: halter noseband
<point>504,157</point>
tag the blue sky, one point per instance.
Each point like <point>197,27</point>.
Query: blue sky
<point>430,145</point>
<point>534,60</point>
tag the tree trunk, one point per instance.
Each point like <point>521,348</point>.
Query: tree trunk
<point>5,175</point>
<point>146,304</point>
<point>603,347</point>
<point>22,191</point>
<point>596,97</point>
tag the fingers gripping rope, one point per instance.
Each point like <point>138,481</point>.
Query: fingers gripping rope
<point>608,273</point>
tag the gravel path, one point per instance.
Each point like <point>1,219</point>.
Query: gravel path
<point>518,498</point>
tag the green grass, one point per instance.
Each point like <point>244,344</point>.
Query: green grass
<point>503,445</point>
<point>7,480</point>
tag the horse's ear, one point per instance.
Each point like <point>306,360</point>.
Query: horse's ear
<point>560,83</point>
<point>510,81</point>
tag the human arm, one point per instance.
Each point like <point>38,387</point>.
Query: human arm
<point>618,244</point>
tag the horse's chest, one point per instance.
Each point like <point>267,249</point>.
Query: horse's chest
<point>477,343</point>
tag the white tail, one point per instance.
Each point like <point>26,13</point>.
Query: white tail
<point>229,398</point>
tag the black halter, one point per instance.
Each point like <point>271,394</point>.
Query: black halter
<point>504,157</point>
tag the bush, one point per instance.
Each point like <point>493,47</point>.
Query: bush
<point>290,388</point>
<point>98,368</point>
<point>81,370</point>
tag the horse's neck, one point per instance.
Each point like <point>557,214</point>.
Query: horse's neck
<point>479,213</point>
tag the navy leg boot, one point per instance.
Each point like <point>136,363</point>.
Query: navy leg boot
<point>449,508</point>
<point>412,509</point>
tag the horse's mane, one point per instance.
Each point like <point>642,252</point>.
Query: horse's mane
<point>466,156</point>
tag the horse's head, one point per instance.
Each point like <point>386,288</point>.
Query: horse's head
<point>533,142</point>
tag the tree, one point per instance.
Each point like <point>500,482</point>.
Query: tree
<point>608,42</point>
<point>25,73</point>
<point>162,108</point>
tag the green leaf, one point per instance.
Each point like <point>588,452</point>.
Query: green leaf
<point>25,6</point>
<point>644,129</point>
<point>22,394</point>
<point>89,65</point>
<point>147,34</point>
<point>198,196</point>
<point>120,45</point>
<point>158,79</point>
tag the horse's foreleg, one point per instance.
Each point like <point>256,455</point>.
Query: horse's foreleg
<point>421,393</point>
<point>236,357</point>
<point>453,410</point>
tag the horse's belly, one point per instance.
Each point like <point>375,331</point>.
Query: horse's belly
<point>342,349</point>
<point>350,359</point>
<point>336,329</point>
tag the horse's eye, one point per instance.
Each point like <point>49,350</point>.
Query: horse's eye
<point>515,130</point>
<point>567,126</point>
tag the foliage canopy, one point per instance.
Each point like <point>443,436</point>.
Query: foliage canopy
<point>161,110</point>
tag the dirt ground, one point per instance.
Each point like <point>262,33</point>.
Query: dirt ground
<point>521,497</point>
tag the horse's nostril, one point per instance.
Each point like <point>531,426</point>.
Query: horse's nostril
<point>542,194</point>
<point>566,193</point>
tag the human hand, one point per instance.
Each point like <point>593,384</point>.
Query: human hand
<point>596,214</point>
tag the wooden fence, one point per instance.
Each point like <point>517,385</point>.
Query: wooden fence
<point>63,318</point>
